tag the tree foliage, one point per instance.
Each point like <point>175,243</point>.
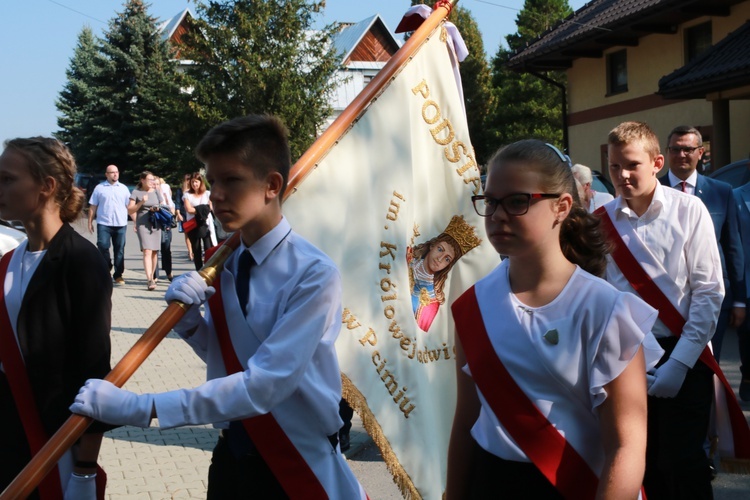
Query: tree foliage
<point>527,106</point>
<point>475,79</point>
<point>261,56</point>
<point>78,97</point>
<point>130,93</point>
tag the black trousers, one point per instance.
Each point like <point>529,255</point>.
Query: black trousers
<point>196,239</point>
<point>494,477</point>
<point>676,463</point>
<point>743,340</point>
<point>231,477</point>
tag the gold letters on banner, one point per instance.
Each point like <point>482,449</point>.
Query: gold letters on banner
<point>443,134</point>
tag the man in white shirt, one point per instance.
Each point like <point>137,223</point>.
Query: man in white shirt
<point>109,206</point>
<point>592,199</point>
<point>267,338</point>
<point>671,236</point>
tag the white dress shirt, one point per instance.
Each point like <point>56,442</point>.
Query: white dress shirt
<point>599,199</point>
<point>286,344</point>
<point>111,201</point>
<point>690,182</point>
<point>677,230</point>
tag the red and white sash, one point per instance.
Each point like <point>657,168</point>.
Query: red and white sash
<point>10,355</point>
<point>20,386</point>
<point>537,437</point>
<point>278,451</point>
<point>734,439</point>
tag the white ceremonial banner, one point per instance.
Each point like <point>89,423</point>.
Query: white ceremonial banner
<point>391,205</point>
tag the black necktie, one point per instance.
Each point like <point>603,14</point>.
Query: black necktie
<point>242,284</point>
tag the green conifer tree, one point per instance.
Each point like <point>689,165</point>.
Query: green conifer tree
<point>525,105</point>
<point>77,98</point>
<point>261,56</point>
<point>131,117</point>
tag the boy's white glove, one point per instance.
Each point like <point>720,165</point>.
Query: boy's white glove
<point>81,488</point>
<point>667,379</point>
<point>105,402</point>
<point>190,289</point>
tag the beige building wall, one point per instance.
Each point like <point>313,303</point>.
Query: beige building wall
<point>654,57</point>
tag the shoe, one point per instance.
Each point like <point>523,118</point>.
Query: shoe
<point>745,389</point>
<point>170,277</point>
<point>120,281</point>
<point>344,441</point>
<point>151,285</point>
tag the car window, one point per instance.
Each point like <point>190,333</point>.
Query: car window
<point>736,174</point>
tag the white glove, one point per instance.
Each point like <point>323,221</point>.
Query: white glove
<point>105,402</point>
<point>667,379</point>
<point>81,488</point>
<point>190,289</point>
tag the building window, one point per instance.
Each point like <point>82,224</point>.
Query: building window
<point>617,72</point>
<point>697,40</point>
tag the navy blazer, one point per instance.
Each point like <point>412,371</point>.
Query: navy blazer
<point>718,199</point>
<point>742,199</point>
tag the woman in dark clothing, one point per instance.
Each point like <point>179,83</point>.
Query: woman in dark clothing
<point>54,317</point>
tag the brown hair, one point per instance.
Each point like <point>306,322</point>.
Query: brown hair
<point>48,157</point>
<point>685,130</point>
<point>581,239</point>
<point>142,179</point>
<point>201,188</point>
<point>630,132</point>
<point>258,141</point>
<point>438,279</point>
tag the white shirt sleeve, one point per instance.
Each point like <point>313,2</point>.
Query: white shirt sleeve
<point>307,325</point>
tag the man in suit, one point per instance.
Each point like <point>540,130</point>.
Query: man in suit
<point>742,198</point>
<point>684,150</point>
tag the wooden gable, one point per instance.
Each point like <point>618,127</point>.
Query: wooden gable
<point>376,46</point>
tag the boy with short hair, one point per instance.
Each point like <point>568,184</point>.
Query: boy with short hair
<point>267,337</point>
<point>670,236</point>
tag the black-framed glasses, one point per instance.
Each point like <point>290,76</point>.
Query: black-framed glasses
<point>679,149</point>
<point>513,204</point>
<point>563,157</point>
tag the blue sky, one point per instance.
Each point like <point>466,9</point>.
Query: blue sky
<point>38,37</point>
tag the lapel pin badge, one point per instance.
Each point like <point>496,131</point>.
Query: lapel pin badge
<point>552,336</point>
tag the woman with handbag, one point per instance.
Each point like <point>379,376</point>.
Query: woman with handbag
<point>198,208</point>
<point>166,231</point>
<point>146,198</point>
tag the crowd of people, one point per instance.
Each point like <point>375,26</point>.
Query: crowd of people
<point>584,365</point>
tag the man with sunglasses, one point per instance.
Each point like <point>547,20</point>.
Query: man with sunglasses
<point>684,150</point>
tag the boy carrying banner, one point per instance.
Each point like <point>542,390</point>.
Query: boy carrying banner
<point>665,251</point>
<point>267,337</point>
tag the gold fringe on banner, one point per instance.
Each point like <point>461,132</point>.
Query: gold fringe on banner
<point>736,465</point>
<point>357,401</point>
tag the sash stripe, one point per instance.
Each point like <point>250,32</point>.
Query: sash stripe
<point>20,386</point>
<point>287,464</point>
<point>560,463</point>
<point>672,319</point>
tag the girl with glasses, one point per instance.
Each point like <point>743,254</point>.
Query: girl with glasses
<point>551,370</point>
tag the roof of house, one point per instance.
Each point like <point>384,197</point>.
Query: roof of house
<point>725,65</point>
<point>346,41</point>
<point>601,24</point>
<point>168,27</point>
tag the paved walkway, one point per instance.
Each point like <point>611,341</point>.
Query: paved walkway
<point>173,464</point>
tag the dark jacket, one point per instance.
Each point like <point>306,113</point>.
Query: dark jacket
<point>718,199</point>
<point>63,327</point>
